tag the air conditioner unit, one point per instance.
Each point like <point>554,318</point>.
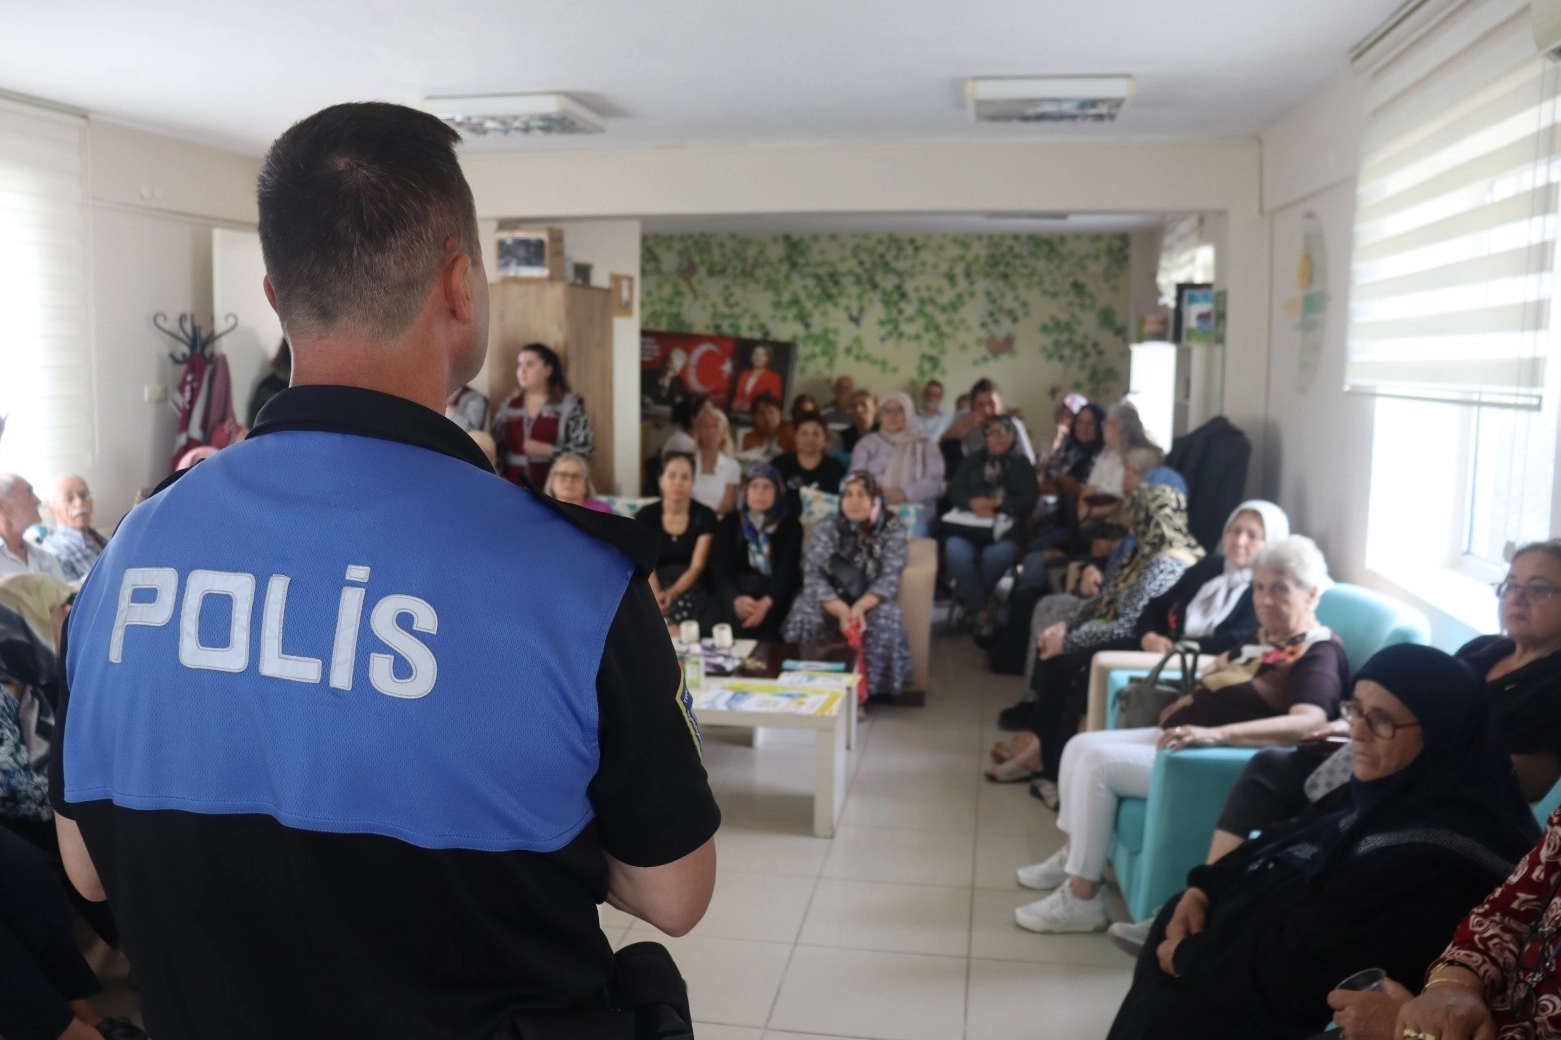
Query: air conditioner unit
<point>1547,27</point>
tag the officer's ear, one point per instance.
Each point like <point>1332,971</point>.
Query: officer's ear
<point>457,281</point>
<point>265,283</point>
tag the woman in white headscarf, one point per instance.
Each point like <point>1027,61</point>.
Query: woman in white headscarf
<point>904,461</point>
<point>1211,607</point>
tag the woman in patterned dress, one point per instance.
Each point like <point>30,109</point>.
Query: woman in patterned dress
<point>870,538</point>
<point>544,419</point>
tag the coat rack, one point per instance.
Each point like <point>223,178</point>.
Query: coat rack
<point>190,336</point>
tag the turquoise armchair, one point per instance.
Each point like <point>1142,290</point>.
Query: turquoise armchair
<point>1159,839</point>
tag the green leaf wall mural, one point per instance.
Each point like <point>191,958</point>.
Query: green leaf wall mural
<point>1041,314</point>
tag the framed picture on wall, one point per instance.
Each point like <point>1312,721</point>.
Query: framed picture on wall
<point>676,365</point>
<point>763,367</point>
<point>623,296</point>
<point>1194,313</point>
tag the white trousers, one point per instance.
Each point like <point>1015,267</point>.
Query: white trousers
<point>1098,770</point>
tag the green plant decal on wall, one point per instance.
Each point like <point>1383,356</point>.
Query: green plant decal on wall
<point>1047,312</point>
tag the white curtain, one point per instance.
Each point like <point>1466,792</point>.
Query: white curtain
<point>45,361</point>
<point>1453,278</point>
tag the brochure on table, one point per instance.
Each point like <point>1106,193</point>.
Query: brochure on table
<point>792,693</point>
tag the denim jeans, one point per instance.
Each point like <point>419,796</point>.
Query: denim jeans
<point>977,569</point>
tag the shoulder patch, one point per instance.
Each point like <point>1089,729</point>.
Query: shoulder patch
<point>686,706</point>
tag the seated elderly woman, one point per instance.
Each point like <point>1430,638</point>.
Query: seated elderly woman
<point>851,579</point>
<point>756,559</point>
<point>903,460</point>
<point>685,528</point>
<point>1271,692</point>
<point>994,490</point>
<point>1254,946</point>
<point>1163,549</point>
<point>1522,674</point>
<point>1209,608</point>
<point>570,481</point>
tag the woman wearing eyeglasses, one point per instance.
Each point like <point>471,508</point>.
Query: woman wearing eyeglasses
<point>1522,673</point>
<point>1257,943</point>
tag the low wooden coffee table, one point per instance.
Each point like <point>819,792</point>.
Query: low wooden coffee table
<point>834,731</point>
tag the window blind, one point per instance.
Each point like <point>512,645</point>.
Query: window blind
<point>45,362</point>
<point>1453,276</point>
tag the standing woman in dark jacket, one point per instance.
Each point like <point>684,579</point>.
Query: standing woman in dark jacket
<point>996,483</point>
<point>1257,942</point>
<point>756,562</point>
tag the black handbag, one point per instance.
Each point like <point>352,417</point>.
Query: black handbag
<point>848,579</point>
<point>1141,702</point>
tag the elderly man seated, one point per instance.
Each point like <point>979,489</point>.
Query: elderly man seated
<point>73,541</point>
<point>18,512</point>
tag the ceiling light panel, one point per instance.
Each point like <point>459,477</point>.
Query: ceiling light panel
<point>505,115</point>
<point>1048,99</point>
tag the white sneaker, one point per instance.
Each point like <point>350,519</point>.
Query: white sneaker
<point>1043,877</point>
<point>1129,937</point>
<point>1062,911</point>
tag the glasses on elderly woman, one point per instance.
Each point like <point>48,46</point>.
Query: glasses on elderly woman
<point>1539,592</point>
<point>1376,720</point>
<point>566,474</point>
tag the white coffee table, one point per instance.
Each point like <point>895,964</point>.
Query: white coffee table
<point>830,727</point>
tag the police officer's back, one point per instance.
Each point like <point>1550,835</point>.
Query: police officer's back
<point>358,733</point>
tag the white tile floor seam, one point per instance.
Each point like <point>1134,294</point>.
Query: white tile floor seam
<point>901,926</point>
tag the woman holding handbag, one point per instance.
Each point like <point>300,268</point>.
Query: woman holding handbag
<point>851,579</point>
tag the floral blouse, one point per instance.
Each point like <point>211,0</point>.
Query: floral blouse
<point>1499,941</point>
<point>24,793</point>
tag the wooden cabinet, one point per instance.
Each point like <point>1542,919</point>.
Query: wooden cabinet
<point>576,321</point>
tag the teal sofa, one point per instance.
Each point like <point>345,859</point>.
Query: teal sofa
<point>1159,839</point>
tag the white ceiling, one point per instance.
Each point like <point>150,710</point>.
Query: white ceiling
<point>901,224</point>
<point>679,72</point>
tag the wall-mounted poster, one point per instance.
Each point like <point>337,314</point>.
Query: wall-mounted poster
<point>730,372</point>
<point>1194,313</point>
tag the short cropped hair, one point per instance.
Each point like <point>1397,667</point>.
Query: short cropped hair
<point>1550,547</point>
<point>356,204</point>
<point>1298,558</point>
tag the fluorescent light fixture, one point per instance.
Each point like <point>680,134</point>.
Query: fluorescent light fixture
<point>1048,99</point>
<point>501,115</point>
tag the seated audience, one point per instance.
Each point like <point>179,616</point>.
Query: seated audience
<point>1163,550</point>
<point>803,404</point>
<point>904,461</point>
<point>44,980</point>
<point>810,466</point>
<point>997,485</point>
<point>683,415</point>
<point>1124,431</point>
<point>771,433</point>
<point>1210,608</point>
<point>756,559</point>
<point>687,528</point>
<point>1257,942</point>
<point>18,512</point>
<point>1286,684</point>
<point>541,420</point>
<point>840,413</point>
<point>468,409</point>
<point>864,420</point>
<point>716,474</point>
<point>1522,681</point>
<point>1498,979</point>
<point>570,481</point>
<point>73,542</point>
<point>1063,415</point>
<point>1066,468</point>
<point>931,419</point>
<point>851,579</point>
<point>968,428</point>
<point>272,383</point>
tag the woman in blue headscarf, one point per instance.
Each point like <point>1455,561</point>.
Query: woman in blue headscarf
<point>756,558</point>
<point>1436,820</point>
<point>851,581</point>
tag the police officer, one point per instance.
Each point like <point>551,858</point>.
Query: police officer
<point>358,734</point>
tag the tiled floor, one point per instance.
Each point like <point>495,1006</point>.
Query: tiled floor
<point>901,927</point>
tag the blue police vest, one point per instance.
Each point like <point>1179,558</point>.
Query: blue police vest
<point>255,640</point>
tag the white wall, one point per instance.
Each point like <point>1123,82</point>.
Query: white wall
<point>152,204</point>
<point>1205,176</point>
